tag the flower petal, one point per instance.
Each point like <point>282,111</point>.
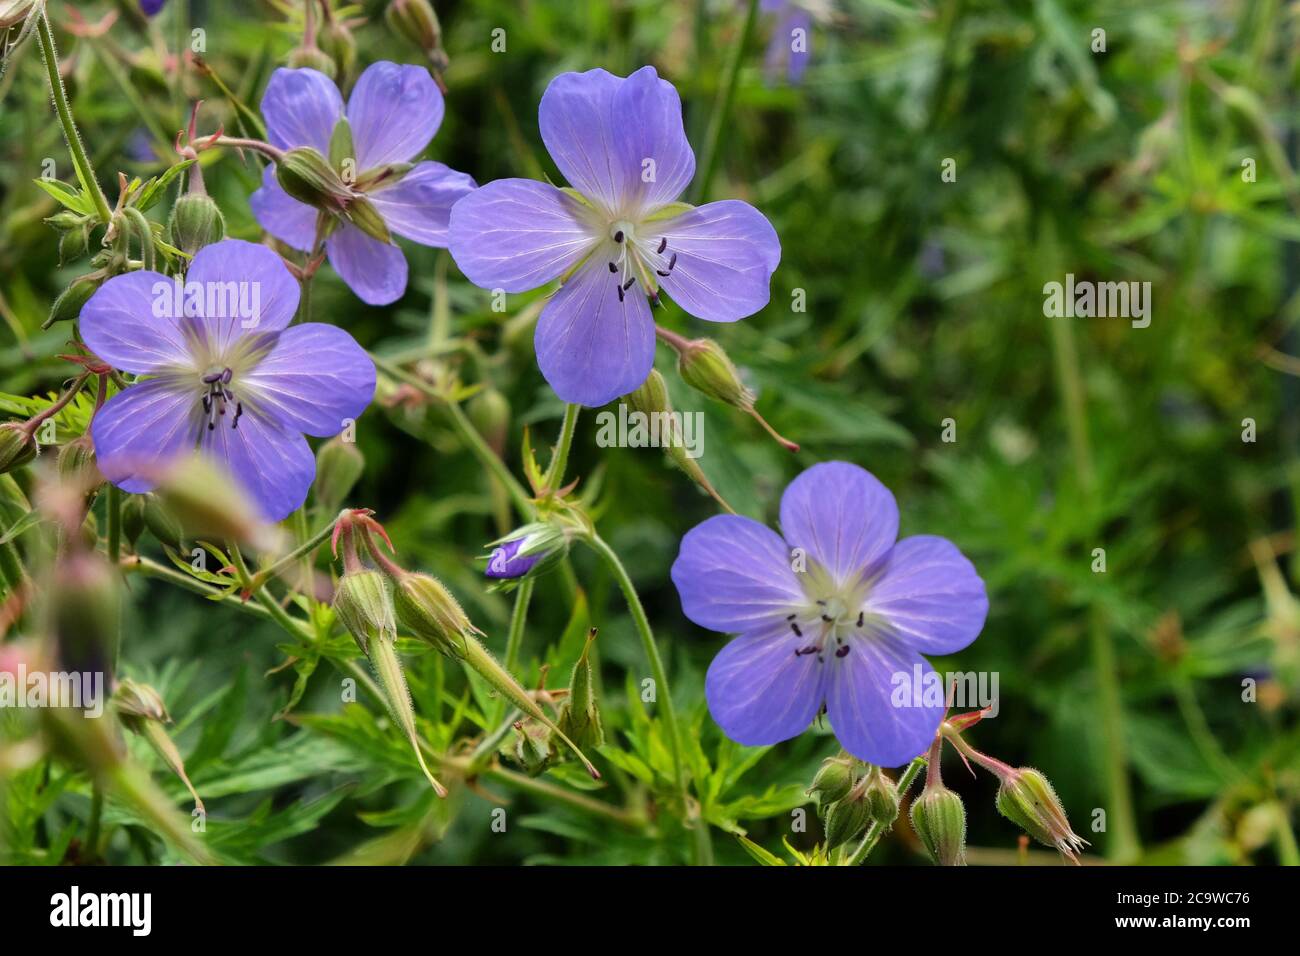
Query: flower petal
<point>374,270</point>
<point>652,142</point>
<point>246,288</point>
<point>394,112</point>
<point>590,346</point>
<point>516,234</point>
<point>301,108</point>
<point>315,378</point>
<point>726,254</point>
<point>878,711</point>
<point>281,215</point>
<point>141,429</point>
<point>419,206</point>
<point>841,515</point>
<point>578,126</point>
<point>734,575</point>
<point>931,595</point>
<point>129,323</point>
<point>274,464</point>
<point>761,692</point>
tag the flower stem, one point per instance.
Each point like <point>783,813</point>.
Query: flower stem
<point>1125,844</point>
<point>560,457</point>
<point>515,637</point>
<point>85,172</point>
<point>877,829</point>
<point>722,107</point>
<point>662,692</point>
<point>96,813</point>
<point>308,545</point>
<point>114,523</point>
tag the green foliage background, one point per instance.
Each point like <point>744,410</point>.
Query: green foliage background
<point>923,303</point>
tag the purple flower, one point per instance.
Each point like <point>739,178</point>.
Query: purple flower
<point>791,44</point>
<point>393,113</point>
<point>836,613</point>
<point>617,237</point>
<point>151,7</point>
<point>504,561</point>
<point>226,374</point>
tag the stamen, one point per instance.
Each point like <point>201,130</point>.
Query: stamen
<point>861,615</point>
<point>618,236</point>
<point>612,267</point>
<point>842,651</point>
<point>663,244</point>
<point>628,284</point>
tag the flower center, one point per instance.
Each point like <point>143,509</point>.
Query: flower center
<point>639,259</point>
<point>217,397</point>
<point>830,622</point>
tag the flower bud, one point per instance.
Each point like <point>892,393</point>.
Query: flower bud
<point>70,301</point>
<point>142,711</point>
<point>133,523</point>
<point>160,521</point>
<point>417,21</point>
<point>531,747</point>
<point>339,465</point>
<point>207,503</point>
<point>580,717</point>
<point>430,612</point>
<point>845,820</point>
<point>528,551</point>
<point>195,222</point>
<point>881,794</point>
<point>312,58</point>
<point>833,781</point>
<point>362,602</point>
<point>308,177</point>
<point>939,819</point>
<point>76,464</point>
<point>17,446</point>
<point>1027,799</point>
<point>83,613</point>
<point>337,42</point>
<point>705,367</point>
<point>489,410</point>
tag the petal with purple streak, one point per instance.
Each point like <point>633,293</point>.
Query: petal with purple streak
<point>273,464</point>
<point>290,221</point>
<point>419,205</point>
<point>313,380</point>
<point>374,270</point>
<point>734,575</point>
<point>141,429</point>
<point>582,134</point>
<point>929,596</point>
<point>760,691</point>
<point>394,112</point>
<point>516,234</point>
<point>652,145</point>
<point>301,108</point>
<point>842,516</point>
<point>129,323</point>
<point>505,563</point>
<point>726,254</point>
<point>234,267</point>
<point>591,346</point>
<point>877,709</point>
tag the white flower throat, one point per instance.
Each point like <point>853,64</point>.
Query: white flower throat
<point>835,615</point>
<point>639,259</point>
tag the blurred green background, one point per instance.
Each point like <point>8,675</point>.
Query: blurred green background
<point>924,302</point>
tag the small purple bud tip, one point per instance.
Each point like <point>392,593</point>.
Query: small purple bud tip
<point>151,7</point>
<point>504,564</point>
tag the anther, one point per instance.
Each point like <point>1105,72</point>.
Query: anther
<point>842,651</point>
<point>861,615</point>
<point>612,267</point>
<point>663,244</point>
<point>795,627</point>
<point>628,284</point>
<point>618,236</point>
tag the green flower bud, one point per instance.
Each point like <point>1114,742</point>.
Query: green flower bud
<point>532,747</point>
<point>339,465</point>
<point>833,781</point>
<point>160,521</point>
<point>17,446</point>
<point>580,717</point>
<point>70,301</point>
<point>337,42</point>
<point>881,794</point>
<point>195,222</point>
<point>76,464</point>
<point>1027,799</point>
<point>312,58</point>
<point>417,21</point>
<point>308,177</point>
<point>845,820</point>
<point>133,523</point>
<point>363,603</point>
<point>207,503</point>
<point>489,410</point>
<point>939,819</point>
<point>142,711</point>
<point>430,613</point>
<point>83,613</point>
<point>705,367</point>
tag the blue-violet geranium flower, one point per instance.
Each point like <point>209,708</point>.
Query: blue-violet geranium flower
<point>836,613</point>
<point>617,237</point>
<point>393,113</point>
<point>240,384</point>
